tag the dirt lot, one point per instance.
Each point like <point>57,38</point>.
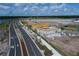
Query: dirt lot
<point>67,45</point>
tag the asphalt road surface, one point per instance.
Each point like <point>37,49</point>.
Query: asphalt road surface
<point>14,46</point>
<point>32,49</point>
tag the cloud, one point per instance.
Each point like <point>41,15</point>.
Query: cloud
<point>37,9</point>
<point>4,7</point>
<point>17,4</point>
<point>54,6</point>
<point>26,8</point>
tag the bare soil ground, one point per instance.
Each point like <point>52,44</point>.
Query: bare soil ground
<point>68,45</point>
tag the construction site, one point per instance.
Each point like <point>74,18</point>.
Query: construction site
<point>60,34</point>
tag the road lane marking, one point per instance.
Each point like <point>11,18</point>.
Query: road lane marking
<point>17,45</point>
<point>32,49</point>
<point>23,39</point>
<point>30,45</point>
<point>11,46</point>
<point>19,41</point>
<point>32,41</point>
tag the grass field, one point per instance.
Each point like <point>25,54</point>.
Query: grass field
<point>3,26</point>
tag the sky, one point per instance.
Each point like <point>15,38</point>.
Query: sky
<point>39,9</point>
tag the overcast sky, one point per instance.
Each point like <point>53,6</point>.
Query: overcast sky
<point>39,9</point>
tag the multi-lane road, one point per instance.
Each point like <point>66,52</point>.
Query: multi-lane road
<point>32,48</point>
<point>14,43</point>
<point>15,49</point>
